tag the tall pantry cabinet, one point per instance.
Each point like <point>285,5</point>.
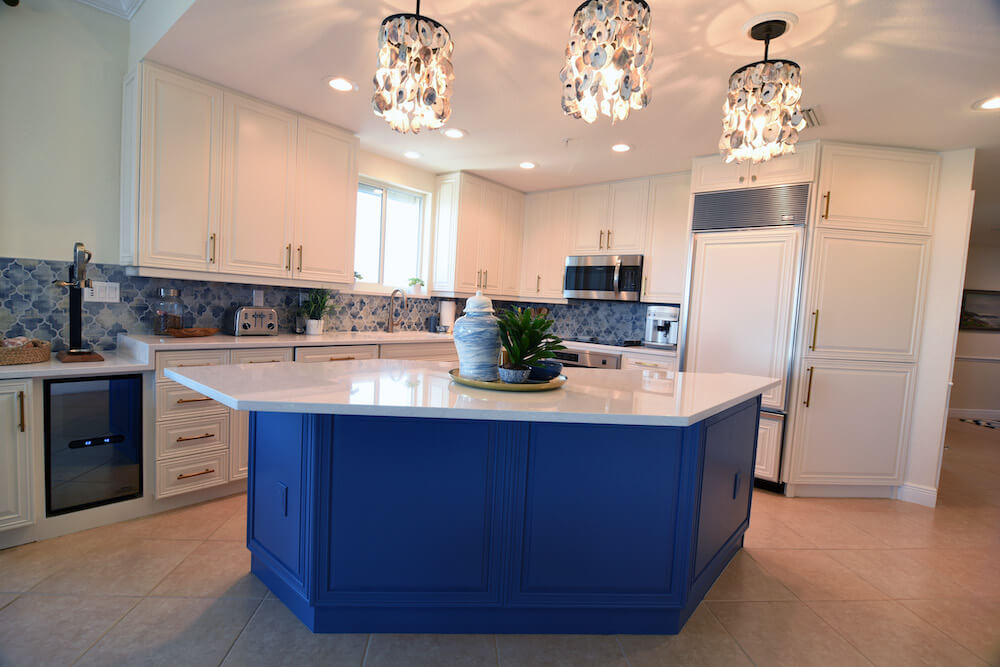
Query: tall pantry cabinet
<point>862,314</point>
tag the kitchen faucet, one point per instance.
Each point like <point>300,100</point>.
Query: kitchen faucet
<point>393,323</point>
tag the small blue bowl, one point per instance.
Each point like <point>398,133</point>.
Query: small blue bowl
<point>545,370</point>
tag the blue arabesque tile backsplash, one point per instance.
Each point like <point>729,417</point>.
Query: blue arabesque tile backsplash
<point>30,305</point>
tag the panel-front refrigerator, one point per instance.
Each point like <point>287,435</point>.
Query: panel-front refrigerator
<point>743,294</point>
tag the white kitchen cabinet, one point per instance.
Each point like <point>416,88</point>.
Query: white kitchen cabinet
<point>469,221</point>
<point>15,454</point>
<point>325,202</point>
<point>239,425</point>
<point>513,230</point>
<point>445,277</point>
<point>626,231</point>
<point>258,183</point>
<point>590,219</point>
<point>877,189</point>
<point>443,351</point>
<point>180,171</point>
<point>865,295</point>
<point>852,422</point>
<point>712,172</point>
<point>545,243</point>
<point>637,361</point>
<point>329,353</point>
<point>769,435</point>
<point>490,238</point>
<point>665,262</point>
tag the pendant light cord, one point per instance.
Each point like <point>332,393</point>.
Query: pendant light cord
<point>767,42</point>
<point>418,12</point>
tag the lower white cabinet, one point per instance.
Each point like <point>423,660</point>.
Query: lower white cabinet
<point>190,473</point>
<point>420,351</point>
<point>15,454</point>
<point>769,432</point>
<point>336,353</point>
<point>852,421</point>
<point>239,424</point>
<point>632,361</point>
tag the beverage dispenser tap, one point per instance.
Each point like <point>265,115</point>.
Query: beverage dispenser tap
<point>78,280</point>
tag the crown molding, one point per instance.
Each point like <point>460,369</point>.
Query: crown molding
<point>121,8</point>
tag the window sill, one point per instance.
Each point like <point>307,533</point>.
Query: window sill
<point>373,289</point>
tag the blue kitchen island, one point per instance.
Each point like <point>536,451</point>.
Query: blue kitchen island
<point>384,498</point>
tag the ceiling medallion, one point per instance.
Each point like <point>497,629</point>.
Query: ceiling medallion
<point>608,58</point>
<point>414,74</point>
<point>762,113</point>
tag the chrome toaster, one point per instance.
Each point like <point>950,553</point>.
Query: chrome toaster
<point>250,321</point>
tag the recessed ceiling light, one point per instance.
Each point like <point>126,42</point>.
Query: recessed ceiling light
<point>454,133</point>
<point>989,104</point>
<point>413,155</point>
<point>527,165</point>
<point>341,84</point>
<point>621,148</point>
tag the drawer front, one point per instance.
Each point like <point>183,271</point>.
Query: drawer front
<point>182,359</point>
<point>192,435</point>
<point>177,476</point>
<point>336,353</point>
<point>262,355</point>
<point>643,362</point>
<point>176,400</point>
<point>420,351</point>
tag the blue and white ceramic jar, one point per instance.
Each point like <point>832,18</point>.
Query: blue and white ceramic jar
<point>477,339</point>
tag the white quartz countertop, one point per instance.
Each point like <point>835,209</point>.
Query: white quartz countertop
<point>114,363</point>
<point>395,388</point>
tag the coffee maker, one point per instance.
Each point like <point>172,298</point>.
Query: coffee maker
<point>661,327</point>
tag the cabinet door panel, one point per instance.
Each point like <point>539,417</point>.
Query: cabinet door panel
<point>627,224</point>
<point>769,438</point>
<point>854,430</point>
<point>325,203</point>
<point>557,238</point>
<point>797,167</point>
<point>533,237</point>
<point>15,454</point>
<point>877,189</point>
<point>445,233</point>
<point>510,269</point>
<point>258,182</point>
<point>590,219</point>
<point>712,172</point>
<point>666,253</point>
<point>868,291</point>
<point>491,237</point>
<point>180,171</point>
<point>471,214</point>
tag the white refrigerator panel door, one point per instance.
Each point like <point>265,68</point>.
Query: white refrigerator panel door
<point>742,304</point>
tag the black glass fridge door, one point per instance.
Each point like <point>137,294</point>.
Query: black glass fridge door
<point>93,442</point>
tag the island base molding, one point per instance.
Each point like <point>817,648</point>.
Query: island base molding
<point>398,524</point>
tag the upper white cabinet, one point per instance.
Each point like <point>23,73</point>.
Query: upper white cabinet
<point>865,295</point>
<point>326,199</point>
<point>230,185</point>
<point>665,262</point>
<point>714,173</point>
<point>877,189</point>
<point>478,224</point>
<point>15,454</point>
<point>545,244</point>
<point>769,437</point>
<point>258,182</point>
<point>610,218</point>
<point>180,171</point>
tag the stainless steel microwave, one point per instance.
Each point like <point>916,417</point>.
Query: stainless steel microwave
<point>611,277</point>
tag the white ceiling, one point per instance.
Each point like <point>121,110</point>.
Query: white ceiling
<point>892,72</point>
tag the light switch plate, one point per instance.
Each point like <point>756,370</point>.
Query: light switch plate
<point>100,292</point>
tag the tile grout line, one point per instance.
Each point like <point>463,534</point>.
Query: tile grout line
<point>240,633</point>
<point>938,628</point>
<point>368,643</point>
<point>618,640</point>
<point>109,629</point>
<point>496,648</point>
<point>708,607</point>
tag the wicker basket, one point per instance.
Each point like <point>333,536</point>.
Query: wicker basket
<point>33,352</point>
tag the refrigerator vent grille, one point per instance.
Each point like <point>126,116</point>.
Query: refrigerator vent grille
<point>758,207</point>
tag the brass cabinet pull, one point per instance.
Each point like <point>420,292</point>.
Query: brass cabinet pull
<point>609,239</point>
<point>288,257</point>
<point>195,437</point>
<point>206,471</point>
<point>479,278</point>
<point>815,329</point>
<point>742,178</point>
<point>600,243</point>
<point>826,210</point>
<point>181,401</point>
<point>300,259</point>
<point>263,361</point>
<point>809,391</point>
<point>486,278</point>
<point>645,285</point>
<point>538,283</point>
<point>20,404</point>
<point>211,256</point>
<point>646,364</point>
<point>341,358</point>
<point>190,365</point>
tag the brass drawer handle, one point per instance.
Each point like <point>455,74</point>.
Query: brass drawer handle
<point>815,329</point>
<point>538,283</point>
<point>182,401</point>
<point>609,239</point>
<point>646,364</point>
<point>20,404</point>
<point>195,437</point>
<point>300,259</point>
<point>288,257</point>
<point>341,358</point>
<point>826,210</point>
<point>809,391</point>
<point>206,471</point>
<point>211,256</point>
<point>265,361</point>
<point>600,242</point>
<point>190,365</point>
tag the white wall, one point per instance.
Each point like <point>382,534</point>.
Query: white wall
<point>940,324</point>
<point>977,360</point>
<point>61,69</point>
<point>394,172</point>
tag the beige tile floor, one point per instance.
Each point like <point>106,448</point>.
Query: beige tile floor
<point>820,582</point>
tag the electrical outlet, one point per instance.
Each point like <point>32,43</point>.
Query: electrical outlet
<point>100,292</point>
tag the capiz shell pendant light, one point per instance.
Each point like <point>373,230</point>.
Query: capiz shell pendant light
<point>762,117</point>
<point>608,58</point>
<point>414,75</point>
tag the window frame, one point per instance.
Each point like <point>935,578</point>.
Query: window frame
<point>366,285</point>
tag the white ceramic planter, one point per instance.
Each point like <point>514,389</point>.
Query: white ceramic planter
<point>314,327</point>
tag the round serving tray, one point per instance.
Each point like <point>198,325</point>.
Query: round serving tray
<point>497,385</point>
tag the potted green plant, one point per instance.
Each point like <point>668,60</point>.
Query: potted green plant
<point>416,286</point>
<point>526,340</point>
<point>315,306</point>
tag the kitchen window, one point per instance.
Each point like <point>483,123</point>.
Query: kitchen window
<point>388,238</point>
